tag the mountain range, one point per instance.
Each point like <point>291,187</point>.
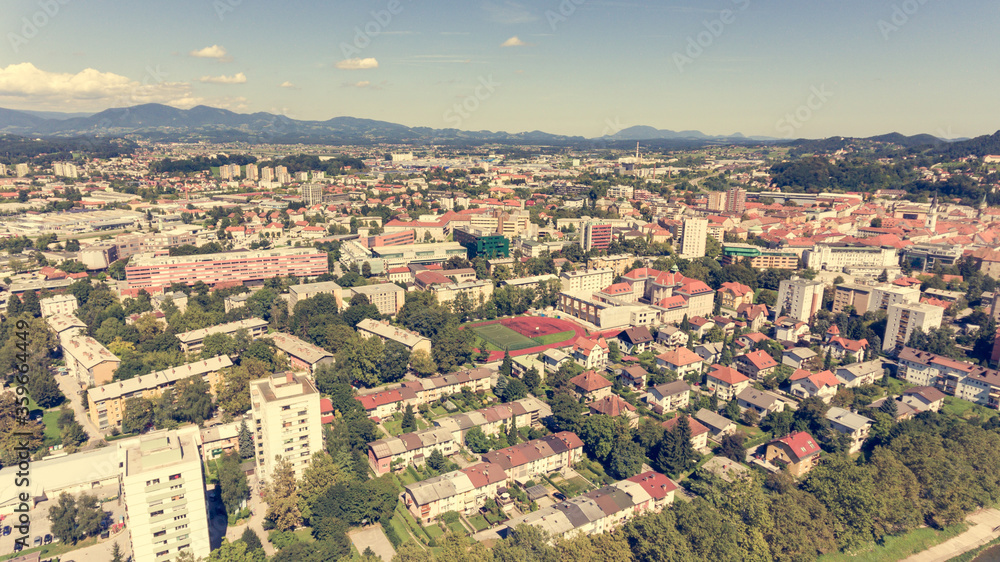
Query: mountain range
<point>165,123</point>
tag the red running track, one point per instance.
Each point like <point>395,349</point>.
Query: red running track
<point>526,326</point>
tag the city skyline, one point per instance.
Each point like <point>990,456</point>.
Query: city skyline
<point>572,67</point>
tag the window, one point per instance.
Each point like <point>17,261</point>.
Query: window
<point>159,533</point>
<point>175,476</point>
<point>179,517</point>
<point>151,482</point>
<point>155,513</point>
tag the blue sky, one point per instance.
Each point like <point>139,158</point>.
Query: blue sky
<point>580,67</point>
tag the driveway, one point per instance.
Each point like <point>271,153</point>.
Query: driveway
<point>985,526</point>
<point>71,389</point>
<point>373,538</point>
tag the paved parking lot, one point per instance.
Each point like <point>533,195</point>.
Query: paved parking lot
<point>40,524</point>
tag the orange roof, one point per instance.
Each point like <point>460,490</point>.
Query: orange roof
<point>727,375</point>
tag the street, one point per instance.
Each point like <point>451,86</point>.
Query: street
<point>71,389</point>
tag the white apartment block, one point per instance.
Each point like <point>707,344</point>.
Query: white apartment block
<point>163,487</point>
<point>839,257</point>
<point>58,304</point>
<point>591,280</point>
<point>287,424</point>
<point>957,378</point>
<point>883,296</point>
<point>799,298</point>
<point>904,318</point>
<point>694,238</point>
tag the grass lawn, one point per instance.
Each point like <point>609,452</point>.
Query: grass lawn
<point>433,531</point>
<point>412,524</point>
<point>479,523</point>
<point>51,550</point>
<point>965,409</point>
<point>304,535</point>
<point>554,338</point>
<point>52,436</point>
<point>898,547</point>
<point>458,528</point>
<point>399,526</point>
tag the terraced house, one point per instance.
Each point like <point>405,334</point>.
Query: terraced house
<point>422,391</point>
<point>465,491</point>
<point>526,412</point>
<point>525,461</point>
<point>412,447</point>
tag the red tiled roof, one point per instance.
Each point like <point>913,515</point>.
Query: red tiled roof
<point>590,381</point>
<point>727,375</point>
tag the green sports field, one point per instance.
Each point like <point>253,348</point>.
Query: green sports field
<point>503,337</point>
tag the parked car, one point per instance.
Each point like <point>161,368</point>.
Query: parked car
<point>48,539</point>
<point>6,530</point>
<point>38,541</point>
<point>17,547</point>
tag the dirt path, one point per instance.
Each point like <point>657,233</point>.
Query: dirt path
<point>985,527</point>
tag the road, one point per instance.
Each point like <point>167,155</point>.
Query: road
<point>985,527</point>
<point>71,388</point>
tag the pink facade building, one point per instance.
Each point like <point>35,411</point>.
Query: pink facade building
<point>153,272</point>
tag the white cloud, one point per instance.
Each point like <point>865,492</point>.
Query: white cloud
<point>361,84</point>
<point>88,89</point>
<point>287,84</point>
<point>357,64</point>
<point>238,78</point>
<point>514,42</point>
<point>213,52</point>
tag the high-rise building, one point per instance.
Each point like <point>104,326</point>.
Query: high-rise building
<point>21,170</point>
<point>251,172</point>
<point>64,169</point>
<point>3,170</point>
<point>904,318</point>
<point>596,235</point>
<point>717,201</point>
<point>312,193</point>
<point>799,298</point>
<point>163,487</point>
<point>736,200</point>
<point>267,174</point>
<point>694,238</point>
<point>287,423</point>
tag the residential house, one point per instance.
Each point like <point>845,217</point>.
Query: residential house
<point>806,384</point>
<point>861,374</point>
<point>924,398</point>
<point>591,354</point>
<point>492,420</point>
<point>464,491</point>
<point>798,357</point>
<point>755,315</point>
<point>672,337</point>
<point>669,397</point>
<point>591,386</point>
<point>682,361</point>
<point>634,341</point>
<point>412,447</point>
<point>732,295</point>
<point>851,424</point>
<point>710,352</point>
<point>699,431</point>
<point>725,382</point>
<point>633,377</point>
<point>614,406</point>
<point>719,426</point>
<point>798,450</point>
<point>526,461</point>
<point>756,364</point>
<point>841,348</point>
<point>760,401</point>
<point>700,326</point>
<point>552,359</point>
<point>749,341</point>
<point>789,329</point>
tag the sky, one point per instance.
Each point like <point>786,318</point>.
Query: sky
<point>774,68</point>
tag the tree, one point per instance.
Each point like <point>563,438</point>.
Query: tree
<point>476,441</point>
<point>889,406</point>
<point>281,497</point>
<point>409,419</point>
<point>532,380</point>
<point>73,434</point>
<point>507,365</point>
<point>732,447</point>
<point>233,481</point>
<point>733,410</point>
<point>422,363</point>
<point>137,415</point>
<point>194,400</point>
<point>30,304</point>
<point>515,390</point>
<point>395,360</point>
<point>778,424</point>
<point>237,551</point>
<point>116,551</point>
<point>251,539</point>
<point>436,460</point>
<point>246,441</point>
<point>74,519</point>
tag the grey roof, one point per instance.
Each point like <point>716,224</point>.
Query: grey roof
<point>759,398</point>
<point>157,379</point>
<point>855,370</point>
<point>197,335</point>
<point>296,347</point>
<point>801,353</point>
<point>672,388</point>
<point>714,421</point>
<point>846,418</point>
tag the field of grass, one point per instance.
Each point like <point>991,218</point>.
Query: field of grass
<point>479,523</point>
<point>503,337</point>
<point>965,409</point>
<point>458,528</point>
<point>898,547</point>
<point>554,338</point>
<point>52,436</point>
<point>52,550</point>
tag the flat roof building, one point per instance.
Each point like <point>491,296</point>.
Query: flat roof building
<point>149,271</point>
<point>287,422</point>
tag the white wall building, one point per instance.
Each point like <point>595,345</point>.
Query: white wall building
<point>904,318</point>
<point>287,422</point>
<point>799,298</point>
<point>694,238</point>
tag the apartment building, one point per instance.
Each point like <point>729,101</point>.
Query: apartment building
<point>301,354</point>
<point>851,257</point>
<point>312,193</point>
<point>422,391</point>
<point>799,298</point>
<point>106,403</point>
<point>193,341</point>
<point>618,264</point>
<point>596,235</point>
<point>736,200</point>
<point>58,304</point>
<point>586,281</point>
<point>464,491</point>
<point>304,291</point>
<point>389,298</point>
<point>694,238</point>
<point>525,461</point>
<point>163,488</point>
<point>725,382</point>
<point>147,271</point>
<point>412,448</point>
<point>410,340</point>
<point>904,318</point>
<point>287,424</point>
<point>955,378</point>
<point>87,360</point>
<point>526,412</point>
<point>760,258</point>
